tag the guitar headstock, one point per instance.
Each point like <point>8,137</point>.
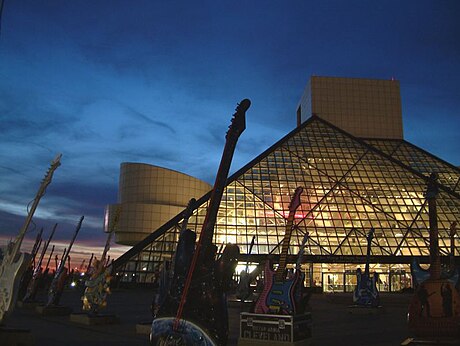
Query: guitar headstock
<point>432,188</point>
<point>54,165</point>
<point>370,235</point>
<point>238,124</point>
<point>189,210</point>
<point>305,238</point>
<point>295,201</point>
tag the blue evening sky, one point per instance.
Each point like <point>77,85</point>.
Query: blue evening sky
<point>107,81</point>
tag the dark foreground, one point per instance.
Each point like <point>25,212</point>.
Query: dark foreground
<point>332,322</point>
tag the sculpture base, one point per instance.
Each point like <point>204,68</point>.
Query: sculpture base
<point>27,305</point>
<point>93,320</point>
<point>16,336</point>
<point>53,310</point>
<point>144,327</point>
<point>430,341</point>
<point>365,310</point>
<point>266,329</point>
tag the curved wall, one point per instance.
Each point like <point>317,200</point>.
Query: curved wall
<point>150,196</point>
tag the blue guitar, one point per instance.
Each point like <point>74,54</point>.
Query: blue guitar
<point>278,295</point>
<point>366,293</point>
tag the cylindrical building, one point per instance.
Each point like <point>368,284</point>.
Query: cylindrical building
<point>149,196</point>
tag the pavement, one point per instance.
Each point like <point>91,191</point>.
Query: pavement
<point>332,322</point>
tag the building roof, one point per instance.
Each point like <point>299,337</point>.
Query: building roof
<point>350,185</point>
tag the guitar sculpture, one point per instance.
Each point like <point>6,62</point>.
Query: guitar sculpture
<point>243,290</point>
<point>302,296</point>
<point>61,274</point>
<point>28,274</point>
<point>37,275</point>
<point>366,293</point>
<point>98,285</point>
<point>172,278</point>
<point>278,294</point>
<point>451,274</point>
<point>200,316</point>
<point>435,307</point>
<point>14,262</point>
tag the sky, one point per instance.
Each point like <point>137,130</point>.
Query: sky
<point>109,81</point>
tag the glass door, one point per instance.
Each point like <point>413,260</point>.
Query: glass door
<point>333,282</point>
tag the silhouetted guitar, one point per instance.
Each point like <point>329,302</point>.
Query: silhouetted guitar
<point>38,271</point>
<point>60,276</point>
<point>172,280</point>
<point>201,316</point>
<point>301,298</point>
<point>366,292</point>
<point>243,290</point>
<point>278,294</point>
<point>15,263</point>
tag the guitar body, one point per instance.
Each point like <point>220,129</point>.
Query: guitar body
<point>10,278</point>
<point>435,309</point>
<point>205,312</point>
<point>97,289</point>
<point>243,291</point>
<point>279,293</point>
<point>197,301</point>
<point>57,287</point>
<point>277,297</point>
<point>167,298</point>
<point>420,275</point>
<point>366,293</point>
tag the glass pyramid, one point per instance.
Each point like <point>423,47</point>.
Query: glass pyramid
<point>350,185</point>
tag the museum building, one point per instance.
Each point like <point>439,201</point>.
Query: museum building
<point>357,171</point>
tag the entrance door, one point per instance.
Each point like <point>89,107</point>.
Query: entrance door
<point>399,280</point>
<point>333,282</point>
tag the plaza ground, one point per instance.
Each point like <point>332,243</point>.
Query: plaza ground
<point>332,322</point>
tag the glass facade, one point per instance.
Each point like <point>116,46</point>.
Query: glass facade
<point>350,185</point>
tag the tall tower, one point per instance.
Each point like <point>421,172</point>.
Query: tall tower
<point>367,108</point>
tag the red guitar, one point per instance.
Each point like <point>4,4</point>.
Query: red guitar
<point>278,295</point>
<point>200,317</point>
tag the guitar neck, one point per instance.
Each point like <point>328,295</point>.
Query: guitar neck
<point>45,247</point>
<point>249,252</point>
<point>368,254</point>
<point>207,232</point>
<point>67,252</point>
<point>203,249</point>
<point>279,274</point>
<point>41,191</point>
<point>236,128</point>
<point>295,203</point>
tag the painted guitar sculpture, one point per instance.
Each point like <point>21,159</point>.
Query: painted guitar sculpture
<point>199,316</point>
<point>366,293</point>
<point>15,263</point>
<point>37,276</point>
<point>452,274</point>
<point>98,285</point>
<point>278,294</point>
<point>434,310</point>
<point>60,276</point>
<point>301,293</point>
